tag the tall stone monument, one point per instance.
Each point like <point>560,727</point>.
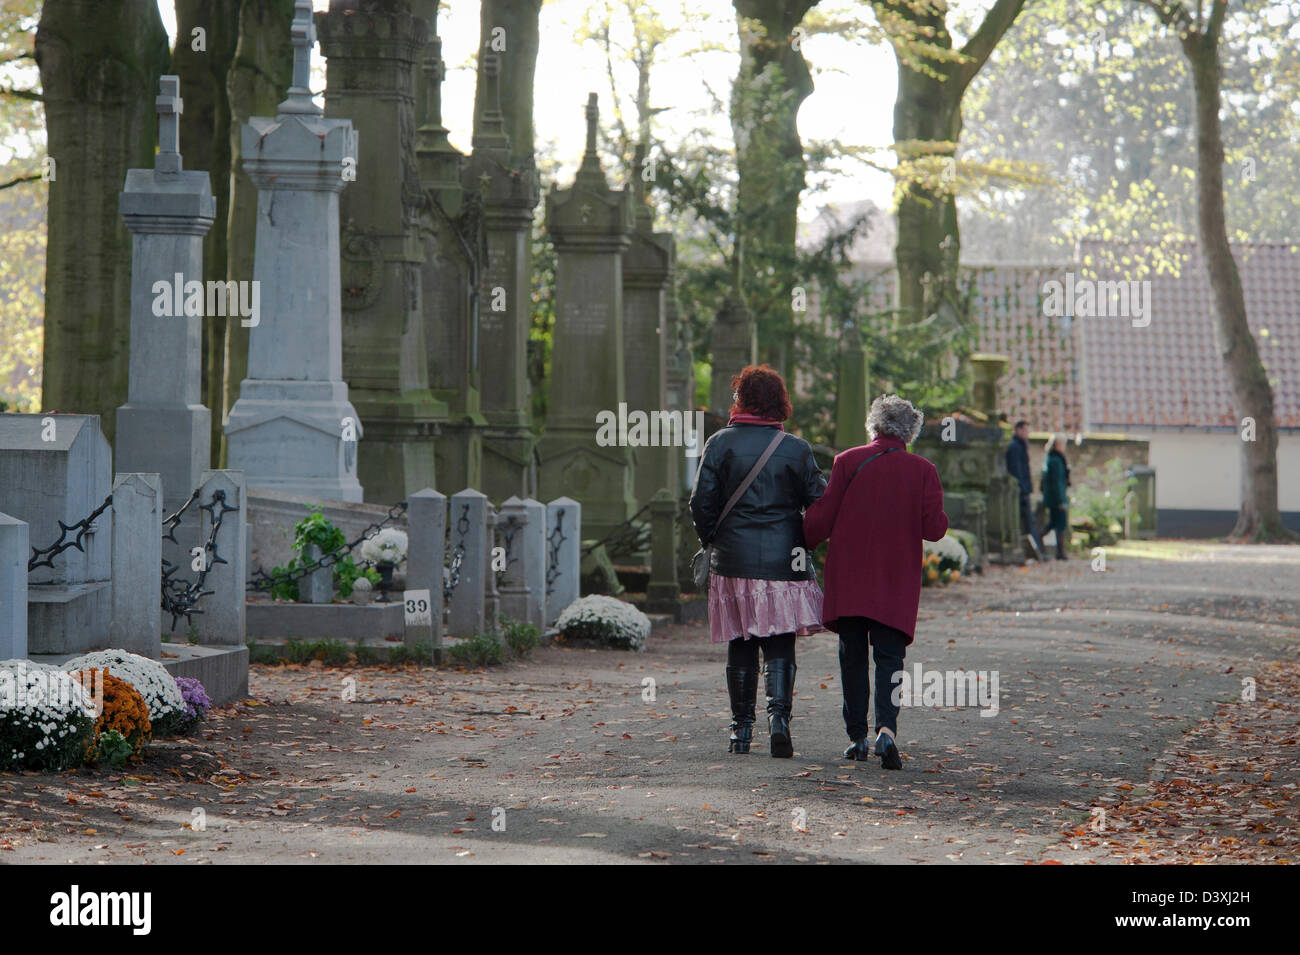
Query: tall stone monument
<point>163,428</point>
<point>734,343</point>
<point>372,54</point>
<point>647,271</point>
<point>503,175</point>
<point>590,224</point>
<point>454,241</point>
<point>851,394</point>
<point>293,429</point>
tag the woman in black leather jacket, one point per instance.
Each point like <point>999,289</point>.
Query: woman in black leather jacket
<point>762,589</point>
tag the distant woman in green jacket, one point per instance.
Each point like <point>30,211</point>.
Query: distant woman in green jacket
<point>1055,481</point>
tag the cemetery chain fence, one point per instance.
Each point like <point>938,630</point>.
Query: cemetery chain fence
<point>180,597</point>
<point>44,556</point>
<point>630,537</point>
<point>261,580</point>
<point>457,556</point>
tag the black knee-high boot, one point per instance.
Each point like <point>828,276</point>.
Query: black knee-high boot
<point>742,688</point>
<point>780,701</point>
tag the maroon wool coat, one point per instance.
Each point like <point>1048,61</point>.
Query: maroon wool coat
<point>873,564</point>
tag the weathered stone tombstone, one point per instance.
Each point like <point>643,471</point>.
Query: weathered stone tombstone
<point>564,555</point>
<point>14,552</point>
<point>371,54</point>
<point>426,519</point>
<point>454,243</point>
<point>509,195</point>
<point>647,270</point>
<point>164,428</point>
<point>55,469</point>
<point>293,429</point>
<point>469,559</point>
<point>136,618</point>
<point>589,224</point>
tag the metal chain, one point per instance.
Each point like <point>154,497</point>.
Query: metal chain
<point>44,556</point>
<point>508,529</point>
<point>555,539</point>
<point>261,580</point>
<point>457,556</point>
<point>180,597</point>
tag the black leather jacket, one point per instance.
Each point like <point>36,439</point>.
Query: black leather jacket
<point>759,536</point>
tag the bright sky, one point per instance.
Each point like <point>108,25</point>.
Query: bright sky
<point>853,100</point>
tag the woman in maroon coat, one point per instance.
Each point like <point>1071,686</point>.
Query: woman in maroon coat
<point>881,501</point>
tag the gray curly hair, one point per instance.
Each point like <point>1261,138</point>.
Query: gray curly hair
<point>895,416</point>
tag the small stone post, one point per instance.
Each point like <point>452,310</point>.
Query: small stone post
<point>14,552</point>
<point>222,620</point>
<point>468,541</point>
<point>136,621</point>
<point>564,555</point>
<point>426,521</point>
<point>663,592</point>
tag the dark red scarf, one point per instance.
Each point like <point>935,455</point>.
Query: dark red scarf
<point>744,417</point>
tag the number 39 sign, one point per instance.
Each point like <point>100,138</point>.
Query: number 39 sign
<point>419,609</point>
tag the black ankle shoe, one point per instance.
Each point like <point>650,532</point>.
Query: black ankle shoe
<point>860,750</point>
<point>890,758</point>
<point>742,688</point>
<point>780,695</point>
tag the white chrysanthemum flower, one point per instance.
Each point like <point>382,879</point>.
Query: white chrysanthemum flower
<point>151,679</point>
<point>386,547</point>
<point>606,619</point>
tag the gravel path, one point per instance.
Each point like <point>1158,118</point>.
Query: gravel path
<point>1120,736</point>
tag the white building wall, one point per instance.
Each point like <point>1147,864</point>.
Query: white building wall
<point>1201,470</point>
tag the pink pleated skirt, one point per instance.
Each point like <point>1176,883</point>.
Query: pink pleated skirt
<point>742,607</point>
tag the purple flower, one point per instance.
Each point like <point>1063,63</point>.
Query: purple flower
<point>196,698</point>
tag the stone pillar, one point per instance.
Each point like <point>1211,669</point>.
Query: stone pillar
<point>14,554</point>
<point>647,267</point>
<point>734,344</point>
<point>136,622</point>
<point>681,392</point>
<point>453,238</point>
<point>426,528</point>
<point>504,178</point>
<point>589,225</point>
<point>293,430</point>
<point>468,540</point>
<point>563,555</point>
<point>318,586</point>
<point>512,531</point>
<point>663,592</point>
<point>533,556</point>
<point>851,395</point>
<point>164,428</point>
<point>372,54</point>
<point>222,620</point>
<point>491,595</point>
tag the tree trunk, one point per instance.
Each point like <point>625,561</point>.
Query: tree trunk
<point>99,66</point>
<point>773,82</point>
<point>928,122</point>
<point>205,146</point>
<point>258,82</point>
<point>1259,518</point>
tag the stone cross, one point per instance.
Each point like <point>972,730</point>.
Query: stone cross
<point>169,106</point>
<point>303,32</point>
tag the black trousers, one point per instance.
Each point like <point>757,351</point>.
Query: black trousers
<point>744,653</point>
<point>889,646</point>
<point>1027,523</point>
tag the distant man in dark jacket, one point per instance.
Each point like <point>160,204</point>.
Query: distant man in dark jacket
<point>1018,467</point>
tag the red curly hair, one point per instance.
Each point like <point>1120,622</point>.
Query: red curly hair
<point>760,390</point>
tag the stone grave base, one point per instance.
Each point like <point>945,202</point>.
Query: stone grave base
<point>346,622</point>
<point>222,670</point>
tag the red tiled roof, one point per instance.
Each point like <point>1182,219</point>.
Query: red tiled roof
<point>1170,374</point>
<point>1102,373</point>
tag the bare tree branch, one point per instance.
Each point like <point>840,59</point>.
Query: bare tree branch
<point>22,94</point>
<point>980,46</point>
<point>20,180</point>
